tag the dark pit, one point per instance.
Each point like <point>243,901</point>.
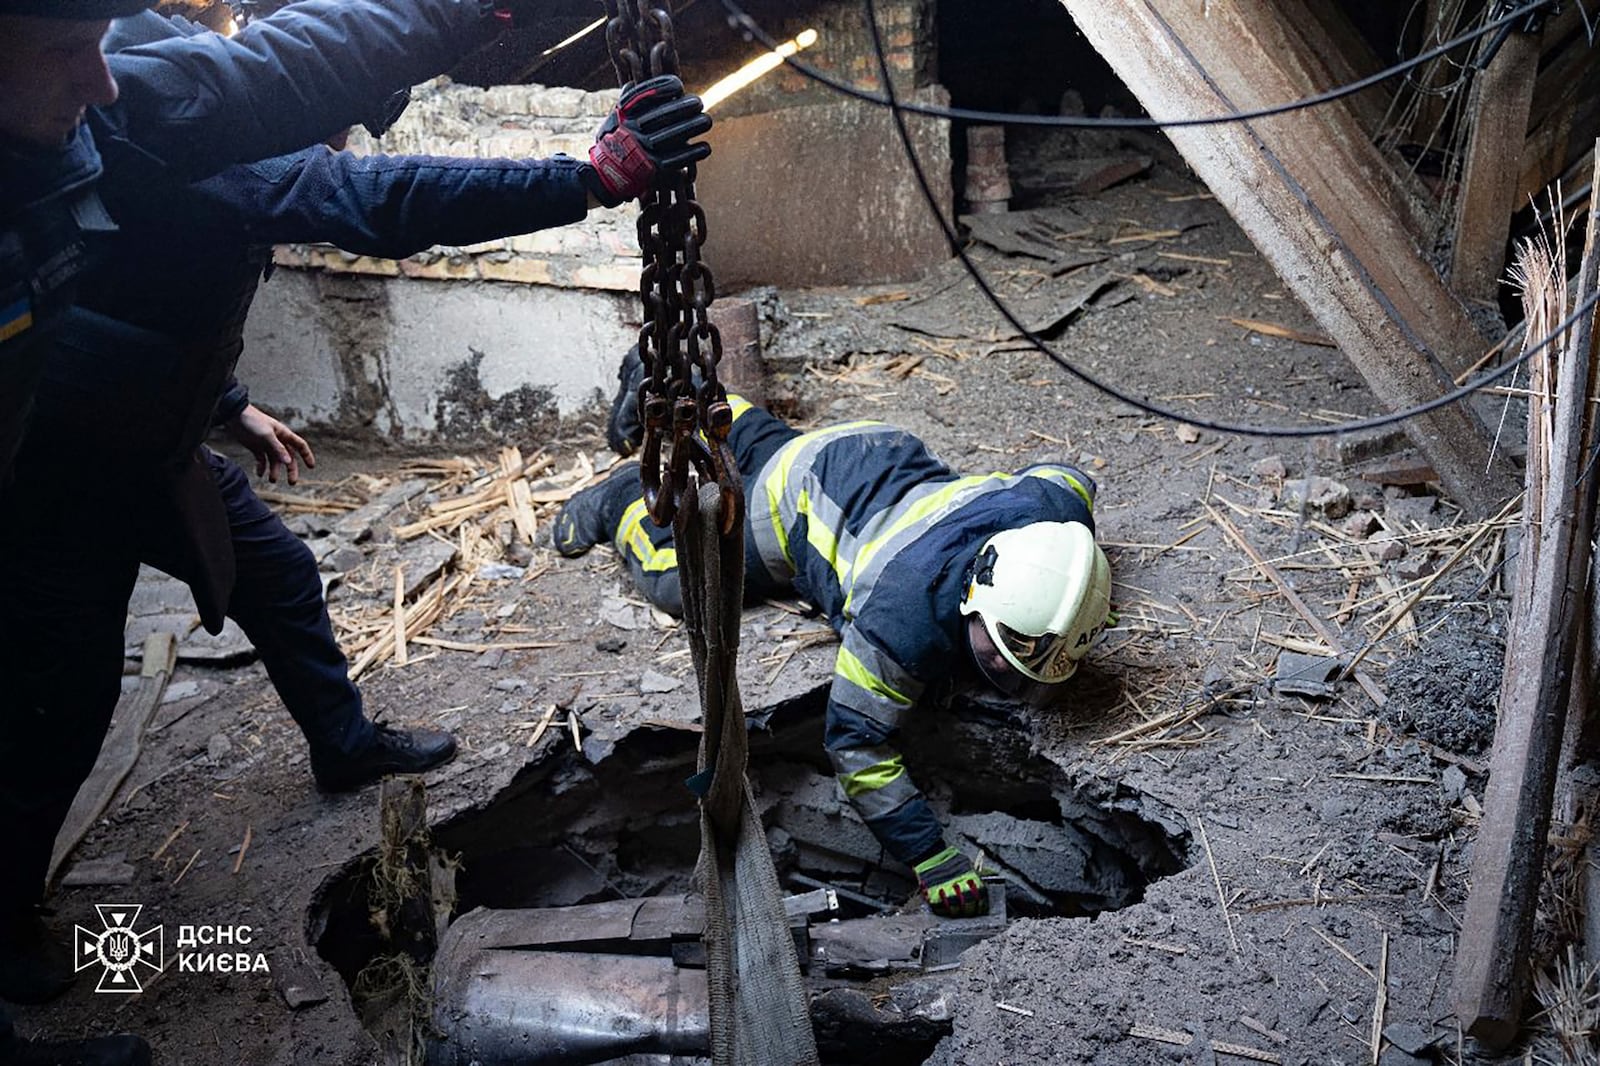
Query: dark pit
<point>591,837</point>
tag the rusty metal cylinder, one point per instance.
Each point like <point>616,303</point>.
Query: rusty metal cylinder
<point>742,369</point>
<point>988,174</point>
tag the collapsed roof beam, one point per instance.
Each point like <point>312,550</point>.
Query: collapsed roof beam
<point>1310,191</point>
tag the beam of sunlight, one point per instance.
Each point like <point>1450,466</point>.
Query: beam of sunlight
<point>580,35</point>
<point>756,68</point>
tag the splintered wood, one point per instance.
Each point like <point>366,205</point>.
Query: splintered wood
<point>448,518</point>
<point>1552,602</point>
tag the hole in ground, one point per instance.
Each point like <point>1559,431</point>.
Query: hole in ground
<point>570,834</point>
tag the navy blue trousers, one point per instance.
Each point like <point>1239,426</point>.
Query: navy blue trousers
<point>70,549</point>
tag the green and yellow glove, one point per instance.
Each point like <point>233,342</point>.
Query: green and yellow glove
<point>952,886</point>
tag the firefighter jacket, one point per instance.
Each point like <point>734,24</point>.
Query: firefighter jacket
<point>870,527</point>
<point>188,107</point>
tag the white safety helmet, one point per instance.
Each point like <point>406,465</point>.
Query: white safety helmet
<point>1043,593</point>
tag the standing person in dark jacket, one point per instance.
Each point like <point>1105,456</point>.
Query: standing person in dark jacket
<point>138,370</point>
<point>187,109</point>
<point>175,111</point>
<point>925,575</point>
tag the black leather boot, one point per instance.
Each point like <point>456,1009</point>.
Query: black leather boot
<point>391,751</point>
<point>592,515</point>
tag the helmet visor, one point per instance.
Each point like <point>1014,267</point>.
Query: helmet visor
<point>1046,657</point>
<point>998,670</point>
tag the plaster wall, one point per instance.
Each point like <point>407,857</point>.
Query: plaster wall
<point>426,361</point>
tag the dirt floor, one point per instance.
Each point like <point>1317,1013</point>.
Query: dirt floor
<point>1326,838</point>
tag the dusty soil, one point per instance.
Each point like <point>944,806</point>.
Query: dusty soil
<point>1329,837</point>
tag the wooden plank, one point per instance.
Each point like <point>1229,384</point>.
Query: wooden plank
<point>1508,853</point>
<point>1502,97</point>
<point>1302,187</point>
<point>120,750</point>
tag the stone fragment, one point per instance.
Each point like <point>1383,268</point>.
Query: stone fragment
<point>344,559</point>
<point>1390,549</point>
<point>1358,524</point>
<point>1413,510</point>
<point>653,681</point>
<point>1321,495</point>
<point>1271,468</point>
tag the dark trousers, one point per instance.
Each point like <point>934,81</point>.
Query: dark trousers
<point>71,541</point>
<point>648,550</point>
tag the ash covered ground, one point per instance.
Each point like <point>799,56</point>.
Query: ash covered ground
<point>1327,838</point>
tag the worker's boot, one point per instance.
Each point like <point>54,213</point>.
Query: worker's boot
<point>593,515</point>
<point>35,967</point>
<point>391,751</point>
<point>625,427</point>
<point>120,1050</point>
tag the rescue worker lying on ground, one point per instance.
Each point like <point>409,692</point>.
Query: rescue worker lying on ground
<point>137,374</point>
<point>179,111</point>
<point>926,576</point>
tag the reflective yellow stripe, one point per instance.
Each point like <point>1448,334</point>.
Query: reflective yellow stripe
<point>917,512</point>
<point>1071,482</point>
<point>855,671</point>
<point>631,534</point>
<point>779,478</point>
<point>739,404</point>
<point>880,775</point>
<point>825,542</point>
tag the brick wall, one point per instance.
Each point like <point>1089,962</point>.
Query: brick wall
<point>505,121</point>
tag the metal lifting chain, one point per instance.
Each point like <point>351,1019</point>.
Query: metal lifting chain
<point>676,287</point>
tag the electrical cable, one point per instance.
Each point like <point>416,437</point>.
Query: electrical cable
<point>741,21</point>
<point>1138,402</point>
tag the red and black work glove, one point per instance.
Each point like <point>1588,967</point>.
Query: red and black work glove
<point>951,885</point>
<point>647,135</point>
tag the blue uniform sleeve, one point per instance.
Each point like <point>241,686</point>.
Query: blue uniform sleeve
<point>231,404</point>
<point>198,104</point>
<point>866,702</point>
<point>389,206</point>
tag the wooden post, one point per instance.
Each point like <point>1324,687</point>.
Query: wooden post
<point>1501,98</point>
<point>1547,617</point>
<point>1302,187</point>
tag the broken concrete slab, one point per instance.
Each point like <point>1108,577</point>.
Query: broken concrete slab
<point>1348,449</point>
<point>423,560</point>
<point>359,524</point>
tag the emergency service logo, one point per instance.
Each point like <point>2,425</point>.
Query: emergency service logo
<point>119,948</point>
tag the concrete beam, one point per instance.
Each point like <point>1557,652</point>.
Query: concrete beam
<point>1303,188</point>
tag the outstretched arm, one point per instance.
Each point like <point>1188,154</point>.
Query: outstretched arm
<point>198,104</point>
<point>390,206</point>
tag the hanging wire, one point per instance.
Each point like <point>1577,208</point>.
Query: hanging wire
<point>742,21</point>
<point>1138,402</point>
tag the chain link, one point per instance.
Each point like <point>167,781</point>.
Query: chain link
<point>677,339</point>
